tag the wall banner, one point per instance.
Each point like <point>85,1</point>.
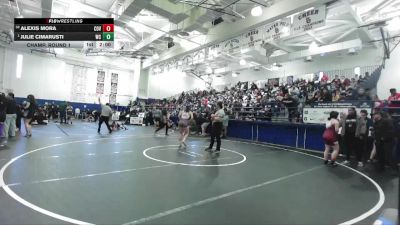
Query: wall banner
<point>251,38</point>
<point>309,20</point>
<point>318,113</point>
<point>214,50</point>
<point>114,88</point>
<point>273,81</point>
<point>101,75</point>
<point>231,45</point>
<point>100,88</point>
<point>277,30</point>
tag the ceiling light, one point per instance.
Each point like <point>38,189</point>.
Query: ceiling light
<point>256,11</point>
<point>234,75</point>
<point>313,46</point>
<point>208,70</point>
<point>19,66</point>
<point>242,62</point>
<point>156,56</point>
<point>59,51</point>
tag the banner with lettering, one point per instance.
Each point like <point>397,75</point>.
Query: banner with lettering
<point>319,112</point>
<point>251,38</point>
<point>214,50</point>
<point>100,81</point>
<point>231,45</point>
<point>309,20</point>
<point>277,30</point>
<point>273,81</point>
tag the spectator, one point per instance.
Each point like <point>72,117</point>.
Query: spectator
<point>157,116</point>
<point>206,122</point>
<point>19,117</point>
<point>384,139</point>
<point>291,105</point>
<point>362,95</point>
<point>336,95</point>
<point>348,132</point>
<point>350,95</point>
<point>336,80</point>
<point>11,116</point>
<point>394,99</point>
<point>225,123</point>
<point>29,107</point>
<point>164,122</point>
<point>325,96</point>
<point>362,132</point>
<point>77,112</point>
<point>3,111</point>
<point>63,112</point>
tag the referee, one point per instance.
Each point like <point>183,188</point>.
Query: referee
<point>217,120</point>
<point>106,113</point>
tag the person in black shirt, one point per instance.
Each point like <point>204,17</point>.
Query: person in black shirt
<point>384,133</point>
<point>19,117</point>
<point>326,96</point>
<point>11,116</point>
<point>163,122</point>
<point>362,95</point>
<point>3,108</point>
<point>350,95</point>
<point>291,105</point>
<point>29,107</point>
<point>349,126</point>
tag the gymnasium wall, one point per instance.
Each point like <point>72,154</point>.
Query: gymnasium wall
<point>143,84</point>
<point>328,62</point>
<point>50,78</point>
<point>390,76</point>
<point>169,84</point>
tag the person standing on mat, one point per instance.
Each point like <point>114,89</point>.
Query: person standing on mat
<point>330,137</point>
<point>163,122</point>
<point>362,132</point>
<point>29,106</point>
<point>349,126</point>
<point>216,120</point>
<point>384,140</point>
<point>63,112</point>
<point>184,117</point>
<point>105,115</point>
<point>11,116</point>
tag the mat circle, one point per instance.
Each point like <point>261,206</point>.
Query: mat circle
<point>244,158</point>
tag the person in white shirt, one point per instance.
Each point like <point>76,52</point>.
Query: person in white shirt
<point>77,113</point>
<point>106,113</point>
<point>217,120</point>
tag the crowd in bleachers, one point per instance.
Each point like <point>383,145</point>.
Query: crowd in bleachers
<point>248,101</point>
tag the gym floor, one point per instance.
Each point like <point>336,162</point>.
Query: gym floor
<point>70,174</point>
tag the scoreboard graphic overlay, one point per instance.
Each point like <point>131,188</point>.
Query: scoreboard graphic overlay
<point>64,32</point>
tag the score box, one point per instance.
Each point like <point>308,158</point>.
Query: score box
<point>108,36</point>
<point>108,27</point>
